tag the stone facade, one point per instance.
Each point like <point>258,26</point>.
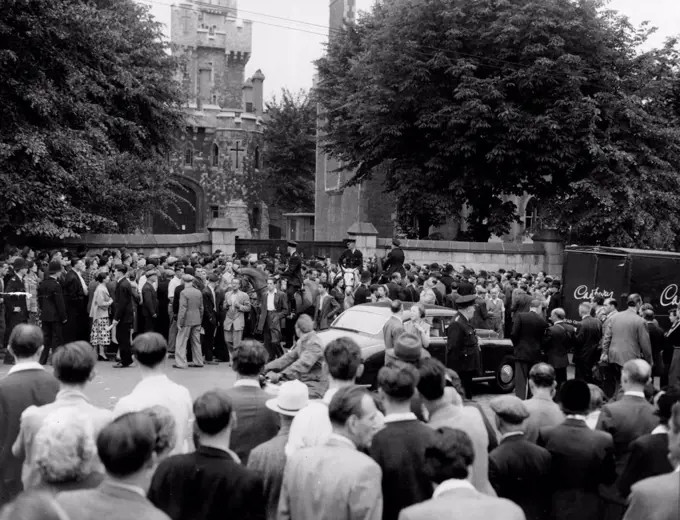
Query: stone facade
<point>224,111</point>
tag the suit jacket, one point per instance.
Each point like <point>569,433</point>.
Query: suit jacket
<point>326,313</point>
<point>351,259</point>
<point>470,421</point>
<point>520,471</point>
<point>542,414</point>
<point>396,292</point>
<point>281,306</point>
<point>350,491</point>
<point>16,308</point>
<point>108,502</point>
<point>522,303</point>
<point>269,461</point>
<point>557,343</point>
<point>392,329</point>
<point>587,344</point>
<point>124,302</point>
<point>362,294</point>
<point>294,271</point>
<point>556,301</point>
<point>462,347</point>
<point>463,504</point>
<point>304,362</point>
<point>206,485</point>
<point>149,302</point>
<point>648,458</point>
<point>51,301</point>
<point>234,317</point>
<point>657,341</point>
<point>411,294</point>
<point>18,391</point>
<point>528,331</point>
<point>255,423</point>
<point>480,319</point>
<point>394,263</point>
<point>655,498</point>
<point>209,307</point>
<point>626,337</point>
<point>582,459</point>
<point>190,308</point>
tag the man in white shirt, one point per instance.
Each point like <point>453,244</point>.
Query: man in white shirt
<point>155,388</point>
<point>174,283</point>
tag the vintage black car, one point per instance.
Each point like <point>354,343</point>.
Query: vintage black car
<point>364,324</point>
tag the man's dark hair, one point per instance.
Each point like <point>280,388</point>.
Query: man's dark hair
<point>432,379</point>
<point>634,300</point>
<point>396,306</point>
<point>121,268</point>
<point>343,358</point>
<point>74,362</point>
<point>543,375</point>
<point>449,456</point>
<point>395,276</point>
<point>398,382</point>
<point>25,340</point>
<point>213,411</point>
<point>325,285</point>
<point>648,314</point>
<point>126,445</point>
<point>101,276</point>
<point>150,349</point>
<point>250,358</point>
<point>345,403</point>
<point>613,302</point>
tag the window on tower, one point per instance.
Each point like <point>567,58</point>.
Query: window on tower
<point>189,155</point>
<point>257,157</point>
<point>215,155</point>
<point>215,211</point>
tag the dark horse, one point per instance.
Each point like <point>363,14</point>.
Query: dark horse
<point>304,298</point>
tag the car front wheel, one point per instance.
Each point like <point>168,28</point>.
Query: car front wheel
<point>505,376</point>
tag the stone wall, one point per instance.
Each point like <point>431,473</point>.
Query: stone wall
<point>148,244</point>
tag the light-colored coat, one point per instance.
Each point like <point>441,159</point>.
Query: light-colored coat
<point>101,302</point>
<point>463,504</point>
<point>235,319</point>
<point>626,337</point>
<point>392,329</point>
<point>34,417</point>
<point>334,481</point>
<point>469,420</point>
<point>655,498</point>
<point>190,307</point>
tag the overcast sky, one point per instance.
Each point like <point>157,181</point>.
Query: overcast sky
<point>286,55</point>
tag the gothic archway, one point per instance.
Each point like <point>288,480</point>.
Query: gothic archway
<point>186,213</point>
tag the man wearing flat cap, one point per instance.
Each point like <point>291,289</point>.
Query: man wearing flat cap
<point>462,347</point>
<point>16,309</point>
<point>351,257</point>
<point>519,470</point>
<point>394,263</point>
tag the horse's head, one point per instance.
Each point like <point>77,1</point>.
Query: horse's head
<point>257,278</point>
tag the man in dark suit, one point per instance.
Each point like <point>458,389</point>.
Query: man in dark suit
<point>326,308</point>
<point>412,291</point>
<point>462,346</point>
<point>587,344</point>
<point>26,384</point>
<point>75,297</point>
<point>582,459</point>
<point>126,448</point>
<point>522,301</point>
<point>52,310</point>
<point>394,263</point>
<point>558,341</point>
<point>528,331</point>
<point>649,453</point>
<point>150,305</point>
<point>123,316</point>
<point>626,420</point>
<point>519,470</point>
<point>255,423</point>
<point>555,296</point>
<point>227,489</point>
<point>362,294</point>
<point>351,257</point>
<point>273,310</point>
<point>163,321</point>
<point>657,340</point>
<point>16,310</point>
<point>210,319</point>
<point>395,288</point>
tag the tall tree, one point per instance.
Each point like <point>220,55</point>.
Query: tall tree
<point>468,102</point>
<point>290,150</point>
<point>89,108</point>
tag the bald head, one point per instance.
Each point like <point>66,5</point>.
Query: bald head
<point>636,373</point>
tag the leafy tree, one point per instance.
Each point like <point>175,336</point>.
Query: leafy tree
<point>468,102</point>
<point>89,108</point>
<point>290,150</point>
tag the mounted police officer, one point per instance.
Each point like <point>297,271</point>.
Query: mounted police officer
<point>293,272</point>
<point>351,258</point>
<point>394,263</point>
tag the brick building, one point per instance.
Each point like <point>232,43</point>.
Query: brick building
<point>338,208</point>
<point>223,114</point>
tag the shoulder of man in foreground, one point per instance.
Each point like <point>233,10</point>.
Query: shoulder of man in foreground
<point>456,507</point>
<point>79,504</point>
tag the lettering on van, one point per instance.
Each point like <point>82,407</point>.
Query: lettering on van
<point>582,293</point>
<point>669,296</point>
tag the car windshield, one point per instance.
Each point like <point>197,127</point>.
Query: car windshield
<point>362,322</point>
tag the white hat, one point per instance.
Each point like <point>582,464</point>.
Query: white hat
<point>293,397</point>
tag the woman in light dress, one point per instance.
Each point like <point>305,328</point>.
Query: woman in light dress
<point>100,337</point>
<point>418,325</point>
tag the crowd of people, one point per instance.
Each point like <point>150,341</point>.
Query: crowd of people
<point>604,444</point>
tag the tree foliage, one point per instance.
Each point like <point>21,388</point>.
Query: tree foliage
<point>464,103</point>
<point>89,109</point>
<point>290,150</point>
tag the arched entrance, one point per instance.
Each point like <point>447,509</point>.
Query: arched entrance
<point>184,216</point>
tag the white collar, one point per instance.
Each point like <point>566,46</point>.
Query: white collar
<point>343,440</point>
<point>451,485</point>
<point>399,417</point>
<point>25,365</point>
<point>635,393</point>
<point>577,417</point>
<point>660,429</point>
<point>128,487</point>
<point>511,434</point>
<point>397,317</point>
<point>247,382</point>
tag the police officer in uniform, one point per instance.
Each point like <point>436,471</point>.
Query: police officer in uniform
<point>394,263</point>
<point>462,349</point>
<point>293,272</point>
<point>351,257</point>
<point>16,309</point>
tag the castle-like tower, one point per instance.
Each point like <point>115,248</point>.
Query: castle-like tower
<point>223,113</point>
